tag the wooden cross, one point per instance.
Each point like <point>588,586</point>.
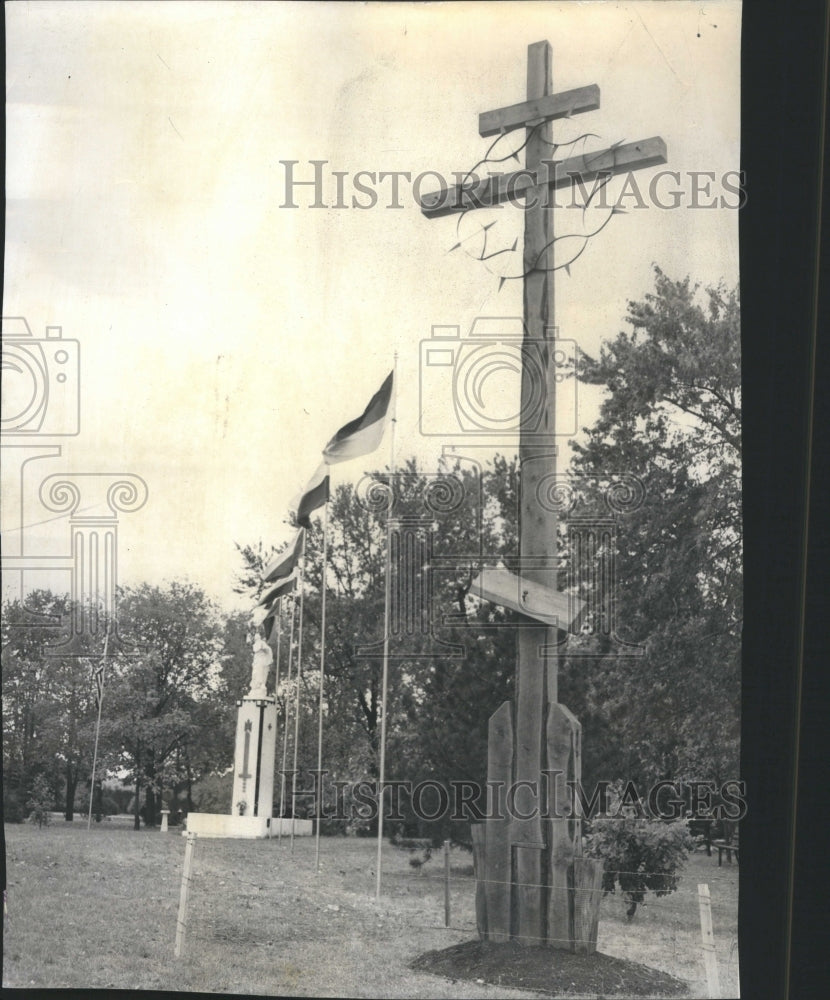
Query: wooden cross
<point>530,862</point>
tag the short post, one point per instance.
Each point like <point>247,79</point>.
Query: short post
<point>446,883</point>
<point>709,957</point>
<point>587,893</point>
<point>164,814</point>
<point>181,923</point>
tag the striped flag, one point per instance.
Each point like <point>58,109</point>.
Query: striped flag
<point>315,495</point>
<point>284,586</point>
<point>98,678</point>
<point>268,626</point>
<point>273,609</point>
<point>283,564</point>
<point>362,435</point>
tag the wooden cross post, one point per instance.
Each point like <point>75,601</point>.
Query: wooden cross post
<point>530,872</point>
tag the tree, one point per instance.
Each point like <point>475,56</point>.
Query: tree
<point>48,697</point>
<point>438,707</point>
<point>672,418</point>
<point>163,715</point>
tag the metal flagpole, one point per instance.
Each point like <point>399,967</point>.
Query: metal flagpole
<point>285,721</point>
<point>100,692</point>
<point>322,673</point>
<point>386,603</point>
<point>297,701</point>
<point>278,626</point>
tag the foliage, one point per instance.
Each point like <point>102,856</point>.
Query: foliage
<point>444,682</point>
<point>639,855</point>
<point>672,419</point>
<point>212,793</point>
<point>48,696</point>
<point>40,801</point>
<point>163,725</point>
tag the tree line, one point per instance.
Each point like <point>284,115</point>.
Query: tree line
<point>670,420</point>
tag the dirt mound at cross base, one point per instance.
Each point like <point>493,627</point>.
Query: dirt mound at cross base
<point>545,970</point>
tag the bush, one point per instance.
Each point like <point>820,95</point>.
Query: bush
<point>212,794</point>
<point>40,801</point>
<point>640,855</point>
<point>107,805</point>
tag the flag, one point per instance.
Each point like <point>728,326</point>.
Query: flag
<point>272,608</point>
<point>362,435</point>
<point>283,564</point>
<point>284,586</point>
<point>314,495</point>
<point>98,678</point>
<point>268,626</point>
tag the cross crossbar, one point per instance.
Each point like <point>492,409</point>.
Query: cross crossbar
<point>547,108</point>
<point>496,189</point>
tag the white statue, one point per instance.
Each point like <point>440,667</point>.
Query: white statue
<point>263,658</point>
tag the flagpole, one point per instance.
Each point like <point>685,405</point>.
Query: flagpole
<point>278,625</point>
<point>322,674</point>
<point>297,702</point>
<point>97,729</point>
<point>386,603</point>
<point>285,722</point>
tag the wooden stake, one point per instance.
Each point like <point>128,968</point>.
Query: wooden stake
<point>181,922</point>
<point>587,879</point>
<point>709,957</point>
<point>446,883</point>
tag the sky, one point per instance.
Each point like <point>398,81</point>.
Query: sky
<point>224,336</point>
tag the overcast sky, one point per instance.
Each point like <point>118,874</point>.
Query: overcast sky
<point>224,337</point>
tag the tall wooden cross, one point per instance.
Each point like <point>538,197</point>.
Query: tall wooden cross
<point>536,886</point>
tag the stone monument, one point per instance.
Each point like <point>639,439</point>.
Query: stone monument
<point>256,734</point>
<point>253,764</point>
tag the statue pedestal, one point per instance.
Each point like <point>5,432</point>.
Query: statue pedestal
<point>253,770</point>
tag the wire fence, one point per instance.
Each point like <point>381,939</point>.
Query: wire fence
<point>433,901</point>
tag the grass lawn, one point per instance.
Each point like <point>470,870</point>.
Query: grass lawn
<point>98,909</point>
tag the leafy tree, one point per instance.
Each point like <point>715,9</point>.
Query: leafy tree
<point>48,696</point>
<point>434,702</point>
<point>672,418</point>
<point>639,855</point>
<point>162,715</point>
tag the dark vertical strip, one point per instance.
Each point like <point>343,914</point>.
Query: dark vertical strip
<point>258,758</point>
